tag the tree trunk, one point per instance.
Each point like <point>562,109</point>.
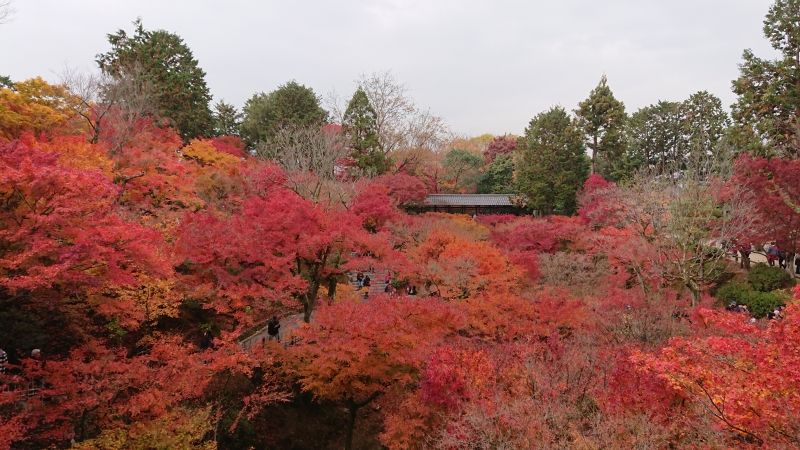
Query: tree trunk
<point>352,409</point>
<point>640,278</point>
<point>313,286</point>
<point>311,300</point>
<point>695,294</point>
<point>331,290</point>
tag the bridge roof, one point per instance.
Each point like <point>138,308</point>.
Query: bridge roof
<point>469,200</point>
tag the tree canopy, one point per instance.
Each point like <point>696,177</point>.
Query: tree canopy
<point>163,59</point>
<point>768,91</point>
<point>552,164</point>
<point>291,104</point>
<point>602,119</point>
<point>161,290</point>
<point>360,126</point>
<point>671,135</point>
<point>227,119</point>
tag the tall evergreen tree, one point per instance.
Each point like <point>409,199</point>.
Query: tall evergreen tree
<point>361,129</point>
<point>166,63</point>
<point>552,164</point>
<point>499,176</point>
<point>766,112</point>
<point>227,119</point>
<point>602,117</point>
<point>291,105</point>
<point>668,136</point>
<point>657,137</point>
<point>705,122</point>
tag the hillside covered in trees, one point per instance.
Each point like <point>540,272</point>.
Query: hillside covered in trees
<point>177,273</point>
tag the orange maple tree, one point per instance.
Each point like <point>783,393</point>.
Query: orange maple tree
<point>355,352</point>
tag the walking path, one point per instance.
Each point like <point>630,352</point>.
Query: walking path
<point>291,322</point>
<point>760,257</point>
<point>377,283</point>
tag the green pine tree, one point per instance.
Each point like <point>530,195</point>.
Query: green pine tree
<point>552,164</point>
<point>766,112</point>
<point>227,119</point>
<point>291,105</point>
<point>656,137</point>
<point>167,64</point>
<point>668,136</point>
<point>705,122</point>
<point>361,129</point>
<point>602,118</point>
<point>499,176</point>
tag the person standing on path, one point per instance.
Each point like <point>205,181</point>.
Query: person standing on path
<point>772,253</point>
<point>274,328</point>
<point>359,281</point>
<point>207,341</point>
<point>744,251</point>
<point>797,264</point>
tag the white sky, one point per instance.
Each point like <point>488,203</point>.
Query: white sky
<point>483,65</point>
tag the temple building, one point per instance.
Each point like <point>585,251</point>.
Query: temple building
<point>470,204</point>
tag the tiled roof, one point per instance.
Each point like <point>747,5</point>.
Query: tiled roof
<point>469,200</point>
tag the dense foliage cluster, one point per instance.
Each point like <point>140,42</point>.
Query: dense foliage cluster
<point>144,252</point>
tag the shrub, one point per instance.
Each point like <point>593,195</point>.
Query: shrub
<point>761,303</point>
<point>734,291</point>
<point>758,303</point>
<point>765,278</point>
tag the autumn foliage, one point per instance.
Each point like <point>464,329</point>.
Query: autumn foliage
<point>145,268</point>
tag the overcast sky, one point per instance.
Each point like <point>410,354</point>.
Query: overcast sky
<point>484,66</point>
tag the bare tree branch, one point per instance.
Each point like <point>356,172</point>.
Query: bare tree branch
<point>689,217</point>
<point>111,104</point>
<point>400,123</point>
<point>305,149</point>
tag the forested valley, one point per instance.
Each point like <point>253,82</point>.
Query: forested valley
<point>178,273</point>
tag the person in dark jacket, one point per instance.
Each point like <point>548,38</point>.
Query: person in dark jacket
<point>207,341</point>
<point>274,328</point>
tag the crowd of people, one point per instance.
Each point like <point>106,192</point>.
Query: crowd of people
<point>775,314</point>
<point>364,281</point>
<point>774,254</point>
